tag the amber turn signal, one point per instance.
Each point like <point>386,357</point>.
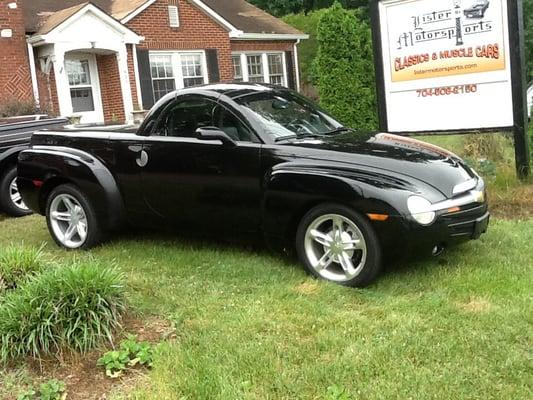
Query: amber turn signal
<point>378,217</point>
<point>453,209</point>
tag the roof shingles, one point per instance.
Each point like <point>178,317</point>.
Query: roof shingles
<point>43,15</point>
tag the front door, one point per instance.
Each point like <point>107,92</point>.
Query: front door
<point>82,72</point>
<point>203,185</point>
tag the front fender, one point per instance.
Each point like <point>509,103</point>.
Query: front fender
<point>50,166</point>
<point>292,189</point>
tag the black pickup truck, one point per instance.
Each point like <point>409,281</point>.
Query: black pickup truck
<point>15,134</point>
<point>262,161</point>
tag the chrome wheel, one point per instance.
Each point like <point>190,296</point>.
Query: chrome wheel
<point>15,196</point>
<point>335,247</point>
<point>68,221</point>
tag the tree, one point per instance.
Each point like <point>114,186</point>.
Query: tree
<point>284,7</point>
<point>344,68</point>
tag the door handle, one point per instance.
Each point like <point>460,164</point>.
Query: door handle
<point>142,160</point>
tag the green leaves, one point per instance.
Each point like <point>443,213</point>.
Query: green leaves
<point>17,264</point>
<point>344,68</point>
<point>51,390</point>
<point>74,307</point>
<point>130,354</point>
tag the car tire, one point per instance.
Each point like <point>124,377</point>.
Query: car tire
<point>10,199</point>
<point>71,219</point>
<point>337,244</point>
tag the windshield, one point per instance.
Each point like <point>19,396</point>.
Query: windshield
<point>285,114</point>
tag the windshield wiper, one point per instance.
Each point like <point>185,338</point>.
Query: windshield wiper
<point>341,129</point>
<point>297,136</point>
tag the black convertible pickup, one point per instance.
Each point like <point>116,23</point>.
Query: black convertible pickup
<point>15,134</point>
<point>260,160</point>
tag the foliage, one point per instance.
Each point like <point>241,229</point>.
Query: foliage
<point>73,308</point>
<point>18,264</point>
<point>336,392</point>
<point>284,7</point>
<point>51,390</point>
<point>486,146</point>
<point>345,70</point>
<point>307,49</point>
<point>15,108</point>
<point>130,353</point>
<point>244,315</point>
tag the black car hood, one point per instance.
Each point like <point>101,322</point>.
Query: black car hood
<point>428,163</point>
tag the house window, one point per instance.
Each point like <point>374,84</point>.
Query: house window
<point>162,75</point>
<point>173,16</point>
<point>81,90</point>
<point>176,70</point>
<point>237,68</point>
<point>255,68</point>
<point>260,67</point>
<point>275,69</point>
<point>191,65</point>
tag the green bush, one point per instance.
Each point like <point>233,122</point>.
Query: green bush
<point>345,69</point>
<point>15,108</point>
<point>308,48</point>
<point>66,308</point>
<point>17,264</point>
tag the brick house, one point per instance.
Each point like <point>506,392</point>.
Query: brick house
<point>104,59</point>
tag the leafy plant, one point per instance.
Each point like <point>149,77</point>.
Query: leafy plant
<point>27,395</point>
<point>73,308</point>
<point>115,362</point>
<point>336,392</point>
<point>18,264</point>
<point>52,390</point>
<point>344,68</point>
<point>130,353</point>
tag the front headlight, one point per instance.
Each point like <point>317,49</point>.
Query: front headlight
<point>420,209</point>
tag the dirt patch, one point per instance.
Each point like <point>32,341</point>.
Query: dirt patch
<point>516,203</point>
<point>476,305</point>
<point>86,381</point>
<point>307,288</point>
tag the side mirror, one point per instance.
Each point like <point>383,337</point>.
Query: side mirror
<point>214,133</point>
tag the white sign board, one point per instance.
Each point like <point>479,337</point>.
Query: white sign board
<point>446,64</point>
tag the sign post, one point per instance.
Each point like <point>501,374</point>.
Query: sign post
<point>452,66</point>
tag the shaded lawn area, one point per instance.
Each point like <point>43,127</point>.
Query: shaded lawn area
<point>252,325</point>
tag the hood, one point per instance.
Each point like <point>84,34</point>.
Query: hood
<point>431,164</point>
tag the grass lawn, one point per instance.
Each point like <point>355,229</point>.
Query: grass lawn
<point>251,325</point>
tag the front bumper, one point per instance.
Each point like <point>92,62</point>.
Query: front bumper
<point>403,235</point>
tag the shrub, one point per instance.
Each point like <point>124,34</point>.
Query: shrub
<point>68,308</point>
<point>15,108</point>
<point>17,264</point>
<point>345,69</point>
<point>491,146</point>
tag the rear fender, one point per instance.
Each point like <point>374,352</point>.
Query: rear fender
<point>9,157</point>
<point>51,166</point>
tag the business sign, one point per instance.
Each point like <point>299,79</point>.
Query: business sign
<point>451,66</point>
<point>446,64</point>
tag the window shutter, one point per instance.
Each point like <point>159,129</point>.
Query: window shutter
<point>173,16</point>
<point>291,79</point>
<point>213,71</point>
<point>145,77</point>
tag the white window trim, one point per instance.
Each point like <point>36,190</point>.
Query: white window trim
<point>175,56</point>
<point>171,8</point>
<point>264,59</point>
